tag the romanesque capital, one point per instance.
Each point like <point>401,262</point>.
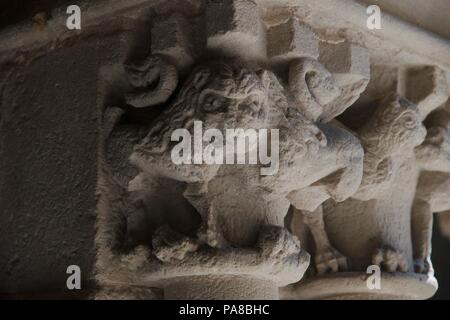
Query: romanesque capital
<point>225,149</point>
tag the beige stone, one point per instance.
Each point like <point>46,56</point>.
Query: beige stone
<point>360,164</point>
<point>350,66</point>
<point>427,87</point>
<point>234,28</point>
<point>156,73</point>
<point>291,40</point>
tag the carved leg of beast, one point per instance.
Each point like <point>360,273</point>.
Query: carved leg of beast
<point>326,258</point>
<point>209,231</point>
<point>431,196</point>
<point>344,151</point>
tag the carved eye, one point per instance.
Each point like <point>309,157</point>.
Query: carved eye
<point>409,121</point>
<point>301,150</point>
<point>213,103</point>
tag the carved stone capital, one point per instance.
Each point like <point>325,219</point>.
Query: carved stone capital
<point>360,155</point>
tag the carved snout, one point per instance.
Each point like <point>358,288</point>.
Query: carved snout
<point>349,154</point>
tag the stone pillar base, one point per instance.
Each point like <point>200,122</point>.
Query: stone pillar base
<point>353,286</point>
<point>126,292</point>
<point>220,288</point>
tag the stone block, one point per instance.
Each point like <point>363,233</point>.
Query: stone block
<point>235,28</point>
<point>384,79</point>
<point>345,60</point>
<point>291,40</point>
<point>350,66</point>
<point>427,87</point>
<point>172,38</point>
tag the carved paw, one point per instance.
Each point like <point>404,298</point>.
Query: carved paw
<point>169,245</point>
<point>210,236</point>
<point>390,260</point>
<point>423,265</point>
<point>277,242</point>
<point>330,260</point>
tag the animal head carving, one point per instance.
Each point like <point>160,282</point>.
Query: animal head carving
<point>222,95</point>
<point>395,126</point>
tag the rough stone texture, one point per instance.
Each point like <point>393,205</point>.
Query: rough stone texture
<point>349,64</point>
<point>357,190</point>
<point>433,156</point>
<point>427,87</point>
<point>387,196</point>
<point>221,288</point>
<point>346,59</point>
<point>125,292</point>
<point>48,172</point>
<point>291,40</point>
<point>234,28</point>
<point>172,36</point>
<point>153,81</point>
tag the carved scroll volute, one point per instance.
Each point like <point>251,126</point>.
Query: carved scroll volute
<point>153,81</point>
<point>312,87</point>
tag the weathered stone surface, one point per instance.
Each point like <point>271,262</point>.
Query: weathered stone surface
<point>153,81</point>
<point>427,87</point>
<point>291,40</point>
<point>433,157</point>
<point>389,139</point>
<point>383,79</point>
<point>345,59</point>
<point>172,37</point>
<point>313,87</point>
<point>234,28</point>
<point>48,173</point>
<point>354,120</point>
<point>350,66</point>
<point>126,292</point>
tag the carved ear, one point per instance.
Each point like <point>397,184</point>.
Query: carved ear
<point>312,87</point>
